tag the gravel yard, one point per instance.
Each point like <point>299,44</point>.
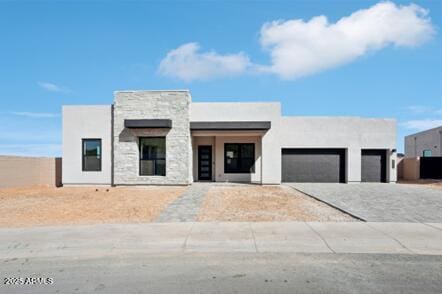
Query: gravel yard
<point>264,203</point>
<point>427,183</point>
<point>38,206</point>
<point>84,205</point>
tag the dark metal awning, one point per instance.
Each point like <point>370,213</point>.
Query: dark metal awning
<point>148,123</point>
<point>230,125</point>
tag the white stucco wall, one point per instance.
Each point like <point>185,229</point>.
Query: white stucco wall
<point>350,133</point>
<point>238,111</point>
<point>86,122</point>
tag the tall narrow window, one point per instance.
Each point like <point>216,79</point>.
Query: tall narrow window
<point>239,158</point>
<point>91,154</point>
<point>153,156</point>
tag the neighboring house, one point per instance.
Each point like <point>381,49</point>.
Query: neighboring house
<point>424,144</point>
<point>423,155</point>
<point>162,138</point>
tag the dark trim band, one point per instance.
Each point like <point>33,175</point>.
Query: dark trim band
<point>148,123</point>
<point>230,125</point>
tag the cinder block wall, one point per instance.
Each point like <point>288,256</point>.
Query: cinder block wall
<point>410,168</point>
<point>17,171</point>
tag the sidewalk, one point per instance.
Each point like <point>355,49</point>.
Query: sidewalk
<point>155,238</point>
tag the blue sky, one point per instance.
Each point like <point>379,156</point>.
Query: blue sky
<point>56,53</point>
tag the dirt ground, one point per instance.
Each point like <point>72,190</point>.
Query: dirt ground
<point>429,183</point>
<point>49,206</point>
<point>264,203</point>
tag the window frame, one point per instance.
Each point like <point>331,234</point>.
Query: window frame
<point>428,151</point>
<point>83,167</point>
<point>140,155</point>
<point>239,171</point>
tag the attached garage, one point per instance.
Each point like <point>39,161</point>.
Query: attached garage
<point>373,165</point>
<point>313,165</point>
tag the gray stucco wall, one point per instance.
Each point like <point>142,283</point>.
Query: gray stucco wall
<point>415,144</point>
<point>172,105</point>
<point>86,122</point>
<point>350,133</point>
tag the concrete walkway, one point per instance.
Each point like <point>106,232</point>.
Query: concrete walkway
<point>376,202</point>
<point>186,207</point>
<point>186,237</point>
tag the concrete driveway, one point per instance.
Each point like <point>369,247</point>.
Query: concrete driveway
<point>379,202</point>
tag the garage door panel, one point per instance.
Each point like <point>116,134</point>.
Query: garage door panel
<point>373,165</point>
<point>313,165</point>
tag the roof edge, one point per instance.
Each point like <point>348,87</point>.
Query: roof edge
<point>141,91</point>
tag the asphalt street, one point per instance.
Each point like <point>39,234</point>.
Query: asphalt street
<point>227,273</point>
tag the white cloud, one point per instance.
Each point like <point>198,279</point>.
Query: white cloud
<point>36,114</point>
<point>423,124</point>
<point>299,48</point>
<point>187,63</point>
<point>419,109</point>
<point>50,87</point>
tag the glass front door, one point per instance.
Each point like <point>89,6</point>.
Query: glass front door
<point>205,163</point>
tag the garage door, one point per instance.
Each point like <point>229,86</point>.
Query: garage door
<point>373,166</point>
<point>313,165</point>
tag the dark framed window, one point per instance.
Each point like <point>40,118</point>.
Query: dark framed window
<point>152,156</point>
<point>239,158</point>
<point>91,153</point>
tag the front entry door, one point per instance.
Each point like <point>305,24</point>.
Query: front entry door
<point>205,163</point>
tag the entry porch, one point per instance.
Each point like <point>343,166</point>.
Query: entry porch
<point>227,153</point>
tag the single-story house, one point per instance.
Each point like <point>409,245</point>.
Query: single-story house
<point>163,138</point>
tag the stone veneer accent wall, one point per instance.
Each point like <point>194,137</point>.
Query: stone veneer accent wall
<point>172,105</point>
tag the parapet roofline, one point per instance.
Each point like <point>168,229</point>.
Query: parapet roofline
<point>141,91</point>
<point>85,104</point>
<point>335,117</point>
<point>237,102</point>
<point>425,131</point>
